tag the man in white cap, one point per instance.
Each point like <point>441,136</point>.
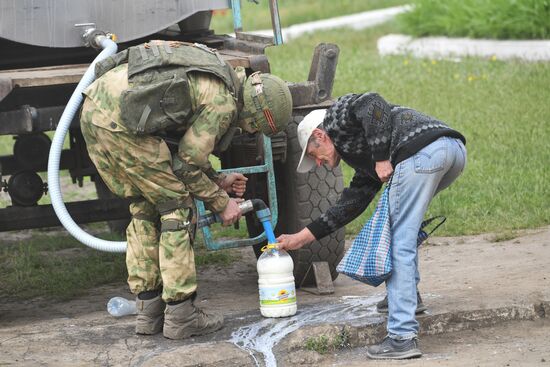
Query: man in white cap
<point>380,141</point>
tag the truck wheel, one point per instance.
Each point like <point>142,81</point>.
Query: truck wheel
<point>304,197</point>
<point>118,226</point>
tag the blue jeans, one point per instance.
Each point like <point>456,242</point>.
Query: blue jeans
<point>415,182</point>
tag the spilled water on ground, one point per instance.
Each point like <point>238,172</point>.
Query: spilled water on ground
<point>262,336</point>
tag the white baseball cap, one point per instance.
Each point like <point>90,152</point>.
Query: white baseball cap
<point>310,122</point>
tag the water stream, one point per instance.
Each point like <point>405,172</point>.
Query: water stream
<point>260,337</point>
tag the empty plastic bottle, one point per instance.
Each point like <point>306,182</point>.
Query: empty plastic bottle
<point>118,306</point>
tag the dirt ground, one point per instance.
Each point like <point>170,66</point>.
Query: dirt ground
<point>523,343</point>
<point>458,273</point>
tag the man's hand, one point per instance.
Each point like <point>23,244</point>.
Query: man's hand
<point>294,241</point>
<point>234,183</point>
<point>232,212</point>
<point>384,170</point>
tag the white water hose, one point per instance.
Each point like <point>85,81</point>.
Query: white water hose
<point>109,48</point>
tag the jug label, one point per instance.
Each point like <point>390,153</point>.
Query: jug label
<point>277,295</point>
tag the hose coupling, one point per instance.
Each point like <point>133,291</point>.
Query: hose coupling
<point>92,37</point>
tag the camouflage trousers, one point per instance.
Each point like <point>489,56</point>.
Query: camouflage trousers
<point>140,167</point>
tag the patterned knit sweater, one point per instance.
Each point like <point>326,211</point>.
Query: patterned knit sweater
<point>366,129</point>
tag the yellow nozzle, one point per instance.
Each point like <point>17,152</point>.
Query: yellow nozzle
<point>269,246</point>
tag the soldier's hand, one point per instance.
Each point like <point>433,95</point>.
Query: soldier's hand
<point>232,212</point>
<point>234,183</point>
<point>384,170</point>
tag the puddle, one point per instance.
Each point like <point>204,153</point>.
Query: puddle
<point>259,338</point>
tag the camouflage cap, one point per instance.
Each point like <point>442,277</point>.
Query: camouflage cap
<point>267,104</point>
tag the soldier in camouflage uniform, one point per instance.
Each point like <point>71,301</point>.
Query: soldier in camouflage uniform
<point>141,94</point>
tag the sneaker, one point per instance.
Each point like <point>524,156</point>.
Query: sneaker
<point>184,320</point>
<point>382,306</point>
<point>395,349</point>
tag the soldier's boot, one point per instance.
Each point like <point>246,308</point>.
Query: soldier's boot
<point>184,320</point>
<point>150,315</point>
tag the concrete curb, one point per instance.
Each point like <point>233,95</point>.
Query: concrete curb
<point>361,336</point>
<point>427,47</point>
<point>216,354</point>
<point>291,350</point>
<point>443,47</point>
<point>355,21</point>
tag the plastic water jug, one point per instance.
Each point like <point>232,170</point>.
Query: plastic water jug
<point>276,283</point>
<point>118,306</point>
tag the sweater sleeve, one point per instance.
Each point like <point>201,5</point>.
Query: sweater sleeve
<point>353,201</point>
<point>373,112</point>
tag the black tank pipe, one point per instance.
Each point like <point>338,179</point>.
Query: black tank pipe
<point>258,204</point>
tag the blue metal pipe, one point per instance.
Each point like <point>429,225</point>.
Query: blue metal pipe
<point>236,8</point>
<point>268,168</point>
<point>262,212</point>
<point>276,22</point>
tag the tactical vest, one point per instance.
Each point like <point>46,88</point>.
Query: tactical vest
<point>158,96</point>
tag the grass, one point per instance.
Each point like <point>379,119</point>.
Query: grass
<point>257,16</point>
<point>323,344</point>
<point>498,19</point>
<point>504,236</point>
<point>319,344</point>
<point>57,266</point>
<point>219,257</point>
<point>501,108</point>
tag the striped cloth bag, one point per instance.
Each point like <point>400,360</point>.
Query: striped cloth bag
<point>369,257</point>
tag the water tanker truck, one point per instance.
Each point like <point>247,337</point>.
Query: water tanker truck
<point>46,49</point>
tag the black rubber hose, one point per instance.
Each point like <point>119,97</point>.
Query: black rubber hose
<point>258,204</point>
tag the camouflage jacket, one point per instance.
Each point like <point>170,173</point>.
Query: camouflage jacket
<point>214,109</point>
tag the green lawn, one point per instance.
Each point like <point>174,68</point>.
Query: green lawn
<point>57,266</point>
<point>501,107</point>
<point>257,16</point>
<point>502,19</point>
